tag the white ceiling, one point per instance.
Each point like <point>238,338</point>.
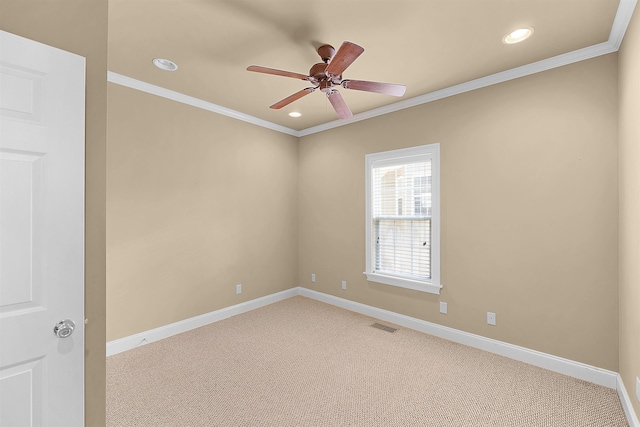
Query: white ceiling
<point>431,46</point>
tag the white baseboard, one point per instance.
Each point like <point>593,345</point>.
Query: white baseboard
<point>133,341</point>
<point>547,361</point>
<point>632,419</point>
<point>553,363</point>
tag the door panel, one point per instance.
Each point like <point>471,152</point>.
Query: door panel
<point>20,179</point>
<point>41,233</point>
<point>24,383</point>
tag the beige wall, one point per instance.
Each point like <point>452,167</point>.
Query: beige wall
<point>196,203</point>
<point>80,26</point>
<point>529,210</point>
<point>629,163</point>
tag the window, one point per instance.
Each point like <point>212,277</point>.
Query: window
<point>403,240</point>
<point>422,195</point>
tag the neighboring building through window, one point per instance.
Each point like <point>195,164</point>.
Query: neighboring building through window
<point>422,195</point>
<point>403,239</point>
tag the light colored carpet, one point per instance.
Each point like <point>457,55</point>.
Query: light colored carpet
<point>300,362</point>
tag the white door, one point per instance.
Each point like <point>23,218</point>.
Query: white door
<point>41,234</point>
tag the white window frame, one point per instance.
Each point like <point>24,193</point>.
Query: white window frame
<point>405,155</point>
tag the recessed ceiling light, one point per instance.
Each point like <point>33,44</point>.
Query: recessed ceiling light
<point>165,64</point>
<point>517,36</point>
<point>294,114</point>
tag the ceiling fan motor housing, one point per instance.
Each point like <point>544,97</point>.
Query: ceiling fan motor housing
<point>317,71</point>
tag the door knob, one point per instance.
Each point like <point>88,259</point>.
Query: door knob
<point>64,328</point>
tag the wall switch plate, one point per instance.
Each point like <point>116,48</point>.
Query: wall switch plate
<point>638,388</point>
<point>344,284</point>
<point>313,277</point>
<point>443,307</point>
<point>491,318</point>
<point>238,289</point>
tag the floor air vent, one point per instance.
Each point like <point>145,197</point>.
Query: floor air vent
<point>384,327</point>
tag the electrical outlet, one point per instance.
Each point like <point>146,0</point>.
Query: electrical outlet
<point>638,388</point>
<point>491,318</point>
<point>313,277</point>
<point>344,284</point>
<point>443,307</point>
<point>238,289</point>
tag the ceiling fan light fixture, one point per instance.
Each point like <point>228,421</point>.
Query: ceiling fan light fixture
<point>518,35</point>
<point>295,114</point>
<point>165,64</point>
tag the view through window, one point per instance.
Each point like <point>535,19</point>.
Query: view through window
<point>403,217</point>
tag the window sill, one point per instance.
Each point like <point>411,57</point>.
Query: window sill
<point>404,283</point>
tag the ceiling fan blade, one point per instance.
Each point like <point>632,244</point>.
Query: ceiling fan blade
<point>289,99</point>
<point>344,57</point>
<point>339,105</point>
<point>265,70</point>
<point>384,88</point>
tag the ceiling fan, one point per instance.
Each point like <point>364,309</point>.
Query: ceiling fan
<point>328,74</point>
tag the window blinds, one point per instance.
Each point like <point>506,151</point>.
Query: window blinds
<point>401,215</point>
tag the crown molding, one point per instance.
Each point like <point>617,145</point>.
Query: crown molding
<point>621,22</point>
<point>195,102</point>
<point>501,77</point>
<point>618,29</point>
